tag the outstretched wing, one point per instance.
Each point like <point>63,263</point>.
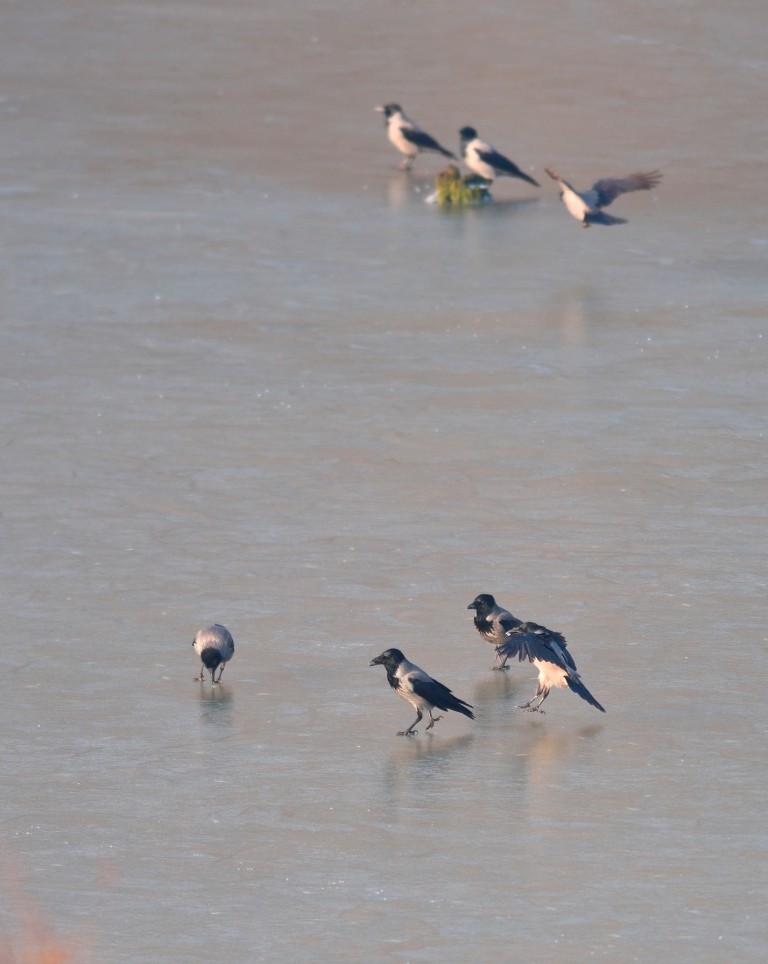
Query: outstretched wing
<point>609,188</point>
<point>531,641</point>
<point>500,163</point>
<point>424,141</point>
<point>438,695</point>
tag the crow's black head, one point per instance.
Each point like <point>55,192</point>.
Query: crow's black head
<point>211,657</point>
<point>389,109</point>
<point>483,604</point>
<point>390,658</point>
<point>467,134</point>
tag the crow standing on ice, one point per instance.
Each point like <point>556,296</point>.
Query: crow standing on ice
<point>485,160</point>
<point>408,137</point>
<point>215,647</point>
<point>419,689</point>
<point>493,623</point>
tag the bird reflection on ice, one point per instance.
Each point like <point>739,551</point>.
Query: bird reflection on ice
<point>216,704</point>
<point>514,756</point>
<point>402,189</point>
<point>215,697</point>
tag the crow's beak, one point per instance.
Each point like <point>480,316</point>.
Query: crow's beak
<point>380,109</point>
<point>472,606</point>
<point>375,662</point>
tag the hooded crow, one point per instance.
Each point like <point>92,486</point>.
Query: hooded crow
<point>485,160</point>
<point>215,647</point>
<point>548,651</point>
<point>408,137</point>
<point>493,623</point>
<point>586,207</point>
<point>419,689</point>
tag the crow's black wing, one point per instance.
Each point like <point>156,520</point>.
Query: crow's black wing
<point>531,641</point>
<point>438,695</point>
<point>500,163</point>
<point>424,141</point>
<point>609,188</point>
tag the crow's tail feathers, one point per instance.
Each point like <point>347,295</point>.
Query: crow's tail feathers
<point>529,179</point>
<point>581,690</point>
<point>459,706</point>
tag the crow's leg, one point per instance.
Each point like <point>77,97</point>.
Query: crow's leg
<point>432,720</point>
<point>411,731</point>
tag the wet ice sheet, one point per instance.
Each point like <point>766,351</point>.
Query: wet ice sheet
<point>249,376</point>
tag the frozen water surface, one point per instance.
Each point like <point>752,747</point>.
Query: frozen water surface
<point>249,376</point>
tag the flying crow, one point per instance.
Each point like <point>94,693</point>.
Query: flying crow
<point>419,689</point>
<point>586,207</point>
<point>485,160</point>
<point>548,652</point>
<point>215,647</point>
<point>408,137</point>
<point>493,623</point>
